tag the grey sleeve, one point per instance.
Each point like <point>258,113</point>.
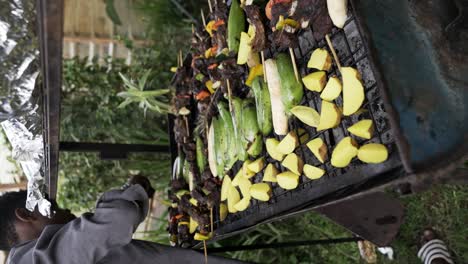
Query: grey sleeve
<point>90,237</point>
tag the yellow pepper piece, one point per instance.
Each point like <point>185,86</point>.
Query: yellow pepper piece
<point>254,73</point>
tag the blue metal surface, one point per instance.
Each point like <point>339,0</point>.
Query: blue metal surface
<point>427,80</point>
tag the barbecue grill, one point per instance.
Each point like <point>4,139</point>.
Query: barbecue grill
<point>376,217</point>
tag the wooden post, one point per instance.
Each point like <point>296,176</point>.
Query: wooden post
<point>13,186</point>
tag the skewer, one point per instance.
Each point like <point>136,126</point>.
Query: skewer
<point>206,251</point>
<point>229,95</point>
<point>263,63</point>
<point>211,217</point>
<point>181,58</point>
<point>210,6</point>
<point>293,58</point>
<point>203,18</point>
<point>330,45</point>
<point>193,29</point>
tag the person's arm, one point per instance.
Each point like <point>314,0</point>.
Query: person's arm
<point>89,238</point>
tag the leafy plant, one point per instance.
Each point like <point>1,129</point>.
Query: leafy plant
<point>135,93</point>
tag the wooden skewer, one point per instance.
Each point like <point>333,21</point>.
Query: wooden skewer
<point>206,251</point>
<point>193,29</point>
<point>210,6</point>
<point>203,18</point>
<point>293,58</point>
<point>229,95</point>
<point>263,63</point>
<point>211,216</point>
<point>181,58</point>
<point>330,45</point>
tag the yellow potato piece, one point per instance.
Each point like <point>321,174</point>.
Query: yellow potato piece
<point>315,81</point>
<point>257,165</point>
<point>307,115</point>
<point>233,198</point>
<point>225,187</point>
<point>200,237</point>
<point>373,153</point>
<point>193,226</point>
<point>254,73</point>
<point>270,173</point>
<point>332,89</point>
<point>243,204</point>
<point>244,186</point>
<point>251,32</point>
<point>320,60</point>
<point>244,49</point>
<point>318,148</point>
<point>294,163</point>
<point>223,211</point>
<point>288,144</point>
<point>353,90</point>
<point>193,201</point>
<point>330,116</point>
<point>235,181</point>
<point>246,172</point>
<point>261,191</point>
<point>363,128</point>
<point>344,152</point>
<point>288,180</point>
<point>271,146</point>
<point>313,172</point>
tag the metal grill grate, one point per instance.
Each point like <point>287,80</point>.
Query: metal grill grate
<point>336,183</point>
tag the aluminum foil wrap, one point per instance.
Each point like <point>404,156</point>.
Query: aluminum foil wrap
<point>20,96</point>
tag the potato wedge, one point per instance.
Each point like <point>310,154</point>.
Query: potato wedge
<point>294,163</point>
<point>363,128</point>
<point>344,152</point>
<point>261,191</point>
<point>353,90</point>
<point>373,153</point>
<point>270,173</point>
<point>223,211</point>
<point>257,165</point>
<point>243,204</point>
<point>288,180</point>
<point>288,144</point>
<point>315,81</point>
<point>193,226</point>
<point>244,186</point>
<point>233,198</point>
<point>200,237</point>
<point>271,146</point>
<point>307,115</point>
<point>244,48</point>
<point>225,187</point>
<point>313,172</point>
<point>318,148</point>
<point>332,89</point>
<point>246,172</point>
<point>320,60</point>
<point>330,116</point>
<point>235,180</point>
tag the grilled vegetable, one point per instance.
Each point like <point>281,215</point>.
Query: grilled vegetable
<point>212,150</point>
<point>253,74</point>
<point>293,163</point>
<point>252,137</point>
<point>307,115</point>
<point>288,144</point>
<point>243,204</point>
<point>338,11</point>
<point>320,60</point>
<point>373,153</point>
<point>225,188</point>
<point>223,211</point>
<point>257,165</point>
<point>193,226</point>
<point>291,89</point>
<point>330,116</point>
<point>315,81</point>
<point>246,172</point>
<point>229,135</point>
<point>238,132</point>
<point>353,90</point>
<point>332,89</point>
<point>318,148</point>
<point>236,25</point>
<point>220,145</point>
<point>280,119</point>
<point>233,199</point>
<point>363,128</point>
<point>244,186</point>
<point>270,173</point>
<point>261,191</point>
<point>271,145</point>
<point>288,180</point>
<point>201,158</point>
<point>263,103</point>
<point>344,152</point>
<point>244,49</point>
<point>313,172</point>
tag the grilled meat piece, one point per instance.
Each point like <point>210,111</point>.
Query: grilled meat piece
<point>254,18</point>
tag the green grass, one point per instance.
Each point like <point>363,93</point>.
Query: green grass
<point>444,208</point>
